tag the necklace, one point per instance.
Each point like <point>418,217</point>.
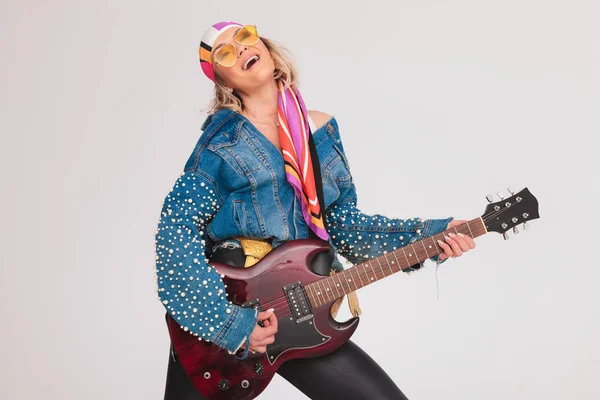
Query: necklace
<point>256,119</point>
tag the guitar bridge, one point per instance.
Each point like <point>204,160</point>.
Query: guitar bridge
<point>298,302</point>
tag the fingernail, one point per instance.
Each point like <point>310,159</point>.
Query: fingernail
<point>439,241</point>
<point>271,310</point>
<point>451,234</point>
<point>446,237</point>
<point>460,234</point>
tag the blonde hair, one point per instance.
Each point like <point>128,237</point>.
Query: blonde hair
<point>285,72</point>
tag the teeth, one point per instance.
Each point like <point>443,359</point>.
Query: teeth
<point>248,61</point>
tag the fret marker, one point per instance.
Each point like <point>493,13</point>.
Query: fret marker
<point>409,254</point>
<point>429,246</point>
<point>372,278</point>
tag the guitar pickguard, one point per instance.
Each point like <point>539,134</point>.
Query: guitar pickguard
<point>292,335</point>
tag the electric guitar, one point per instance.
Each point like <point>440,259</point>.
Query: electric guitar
<point>302,300</point>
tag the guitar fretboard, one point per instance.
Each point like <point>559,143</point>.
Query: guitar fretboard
<point>333,287</point>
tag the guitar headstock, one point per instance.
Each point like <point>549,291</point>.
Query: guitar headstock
<point>507,213</point>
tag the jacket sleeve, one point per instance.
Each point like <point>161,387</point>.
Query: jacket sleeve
<point>190,289</point>
<point>359,236</point>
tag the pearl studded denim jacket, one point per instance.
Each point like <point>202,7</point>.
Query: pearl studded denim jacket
<point>234,184</point>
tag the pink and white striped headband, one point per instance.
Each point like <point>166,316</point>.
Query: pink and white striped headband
<point>206,46</point>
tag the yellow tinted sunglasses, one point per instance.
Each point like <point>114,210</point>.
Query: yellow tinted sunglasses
<point>226,54</point>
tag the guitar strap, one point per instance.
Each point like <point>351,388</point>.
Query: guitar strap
<point>352,297</point>
<point>318,181</point>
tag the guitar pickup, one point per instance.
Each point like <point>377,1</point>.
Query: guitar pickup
<point>298,302</point>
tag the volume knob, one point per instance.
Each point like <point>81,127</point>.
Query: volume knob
<point>258,369</point>
<point>224,384</point>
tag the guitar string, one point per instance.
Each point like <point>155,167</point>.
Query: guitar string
<point>364,274</point>
<point>281,303</point>
<point>283,309</point>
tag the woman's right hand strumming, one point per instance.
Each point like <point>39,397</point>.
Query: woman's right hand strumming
<point>261,336</point>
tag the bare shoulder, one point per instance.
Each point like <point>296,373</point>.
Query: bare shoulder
<point>319,117</point>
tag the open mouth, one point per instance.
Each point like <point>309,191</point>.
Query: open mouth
<point>250,62</point>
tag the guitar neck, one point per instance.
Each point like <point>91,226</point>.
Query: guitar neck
<point>333,287</point>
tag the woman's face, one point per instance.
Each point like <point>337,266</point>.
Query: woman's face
<point>254,66</point>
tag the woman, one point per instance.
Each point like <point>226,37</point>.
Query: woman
<point>250,176</point>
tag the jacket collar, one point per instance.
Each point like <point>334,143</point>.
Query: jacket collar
<point>218,117</point>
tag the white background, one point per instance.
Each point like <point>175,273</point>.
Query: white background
<point>439,103</point>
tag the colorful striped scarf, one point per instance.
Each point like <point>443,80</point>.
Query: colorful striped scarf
<point>293,134</point>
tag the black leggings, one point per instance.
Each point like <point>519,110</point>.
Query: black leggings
<point>347,373</point>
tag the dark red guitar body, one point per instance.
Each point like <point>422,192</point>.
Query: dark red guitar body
<point>283,280</point>
<point>220,375</point>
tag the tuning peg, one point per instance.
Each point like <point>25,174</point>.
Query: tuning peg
<point>501,195</point>
<point>511,189</point>
<point>515,230</point>
<point>505,235</point>
<point>525,225</point>
<point>490,198</point>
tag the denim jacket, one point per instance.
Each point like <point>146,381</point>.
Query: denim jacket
<point>234,184</point>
